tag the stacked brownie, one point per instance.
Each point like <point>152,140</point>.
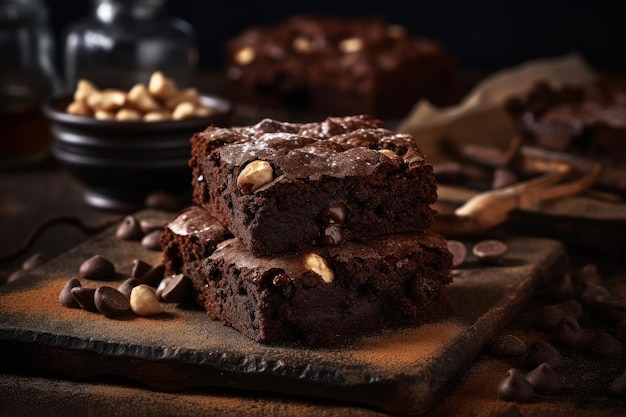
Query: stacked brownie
<point>323,229</point>
<point>339,66</point>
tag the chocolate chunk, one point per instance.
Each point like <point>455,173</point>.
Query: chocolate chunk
<point>34,261</point>
<point>162,285</point>
<point>97,267</point>
<point>567,333</point>
<point>66,298</point>
<point>148,225</point>
<point>515,388</point>
<point>561,288</point>
<point>85,298</point>
<point>15,275</point>
<point>129,229</point>
<point>110,301</point>
<point>618,386</point>
<point>151,240</point>
<point>154,276</point>
<point>547,317</point>
<point>161,200</point>
<point>336,213</point>
<point>544,380</point>
<point>333,235</point>
<point>177,289</point>
<point>604,346</point>
<point>140,268</point>
<point>489,251</point>
<point>507,346</point>
<point>127,286</point>
<point>542,351</point>
<point>588,297</point>
<point>458,251</point>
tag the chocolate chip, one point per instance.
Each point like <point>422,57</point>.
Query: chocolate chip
<point>15,275</point>
<point>281,280</point>
<point>507,346</point>
<point>458,251</point>
<point>560,288</point>
<point>618,386</point>
<point>542,351</point>
<point>544,380</point>
<point>333,235</point>
<point>151,240</point>
<point>85,298</point>
<point>110,301</point>
<point>567,333</point>
<point>611,306</point>
<point>604,346</point>
<point>489,251</point>
<point>66,298</point>
<point>177,289</point>
<point>154,275</point>
<point>148,226</point>
<point>129,229</point>
<point>514,388</point>
<point>97,267</point>
<point>140,268</point>
<point>34,261</point>
<point>335,213</point>
<point>162,285</point>
<point>161,200</point>
<point>127,286</point>
<point>586,275</point>
<point>547,317</point>
<point>590,294</point>
<point>503,177</point>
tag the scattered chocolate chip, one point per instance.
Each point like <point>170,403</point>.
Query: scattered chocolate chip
<point>34,261</point>
<point>489,251</point>
<point>503,177</point>
<point>140,268</point>
<point>162,285</point>
<point>127,286</point>
<point>604,346</point>
<point>153,276</point>
<point>110,301</point>
<point>618,386</point>
<point>611,306</point>
<point>333,235</point>
<point>561,288</point>
<point>97,267</point>
<point>177,289</point>
<point>507,346</point>
<point>129,229</point>
<point>514,388</point>
<point>148,225</point>
<point>547,317</point>
<point>544,380</point>
<point>590,294</point>
<point>161,200</point>
<point>567,333</point>
<point>586,275</point>
<point>542,351</point>
<point>151,240</point>
<point>458,251</point>
<point>281,280</point>
<point>335,213</point>
<point>66,298</point>
<point>85,298</point>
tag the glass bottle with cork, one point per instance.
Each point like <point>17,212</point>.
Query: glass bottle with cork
<point>123,42</point>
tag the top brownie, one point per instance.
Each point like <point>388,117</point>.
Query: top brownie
<point>280,187</point>
<point>339,66</point>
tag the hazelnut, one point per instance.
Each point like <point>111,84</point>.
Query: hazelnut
<point>139,98</point>
<point>160,86</point>
<point>203,111</point>
<point>302,44</point>
<point>254,175</point>
<point>108,100</point>
<point>319,265</point>
<point>79,108</point>
<point>127,115</point>
<point>144,301</point>
<point>351,45</point>
<point>396,31</point>
<point>245,56</point>
<point>84,89</point>
<point>103,115</point>
<point>157,116</point>
<point>184,110</point>
<point>190,95</point>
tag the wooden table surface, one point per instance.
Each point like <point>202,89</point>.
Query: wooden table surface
<point>32,195</point>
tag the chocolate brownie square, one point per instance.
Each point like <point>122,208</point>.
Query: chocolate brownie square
<point>281,187</point>
<point>320,293</point>
<point>338,66</point>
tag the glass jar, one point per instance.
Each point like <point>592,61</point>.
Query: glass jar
<point>27,77</point>
<point>124,41</point>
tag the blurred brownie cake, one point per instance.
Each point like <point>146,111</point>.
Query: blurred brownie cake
<point>314,295</point>
<point>588,121</point>
<point>281,187</point>
<point>338,66</point>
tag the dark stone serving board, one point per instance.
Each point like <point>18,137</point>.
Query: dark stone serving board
<point>403,371</point>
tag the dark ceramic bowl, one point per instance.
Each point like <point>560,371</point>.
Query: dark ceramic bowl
<point>119,163</point>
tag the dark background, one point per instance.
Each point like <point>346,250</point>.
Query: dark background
<point>483,35</point>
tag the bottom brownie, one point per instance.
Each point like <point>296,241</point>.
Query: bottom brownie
<point>319,294</point>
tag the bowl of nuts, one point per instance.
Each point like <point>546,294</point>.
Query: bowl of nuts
<point>123,145</point>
